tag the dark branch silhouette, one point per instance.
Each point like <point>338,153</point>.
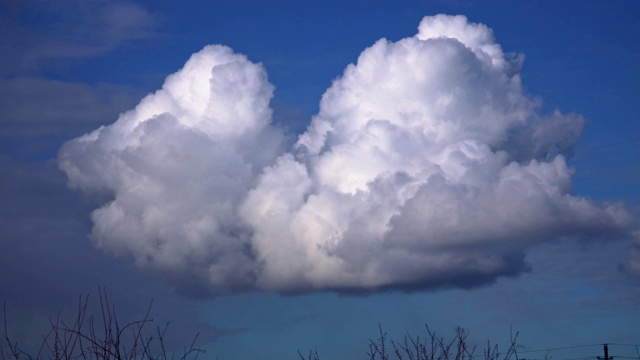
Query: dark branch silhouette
<point>98,339</point>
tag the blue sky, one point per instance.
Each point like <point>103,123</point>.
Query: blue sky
<point>71,67</point>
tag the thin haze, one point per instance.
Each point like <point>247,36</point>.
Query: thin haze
<point>427,166</point>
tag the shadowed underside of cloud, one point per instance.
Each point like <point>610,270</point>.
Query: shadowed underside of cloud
<point>426,167</point>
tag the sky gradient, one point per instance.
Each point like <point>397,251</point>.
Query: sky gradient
<point>223,197</point>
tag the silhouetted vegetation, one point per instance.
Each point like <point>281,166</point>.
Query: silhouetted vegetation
<point>104,338</point>
<point>431,347</point>
<point>98,338</point>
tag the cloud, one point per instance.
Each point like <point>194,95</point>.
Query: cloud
<point>37,111</point>
<point>427,166</point>
<point>61,107</point>
<point>43,250</point>
<point>178,167</point>
<point>69,30</point>
<point>632,265</point>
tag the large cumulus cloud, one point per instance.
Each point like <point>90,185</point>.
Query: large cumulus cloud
<point>177,167</point>
<point>427,166</point>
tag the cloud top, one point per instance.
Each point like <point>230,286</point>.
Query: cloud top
<point>426,167</point>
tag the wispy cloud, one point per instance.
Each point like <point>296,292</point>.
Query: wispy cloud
<point>37,106</point>
<point>36,33</point>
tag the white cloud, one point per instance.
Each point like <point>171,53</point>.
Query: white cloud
<point>178,166</point>
<point>427,166</point>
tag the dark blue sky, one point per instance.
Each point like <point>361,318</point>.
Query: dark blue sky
<point>69,67</point>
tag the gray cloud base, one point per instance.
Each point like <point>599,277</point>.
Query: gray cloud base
<point>426,167</point>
